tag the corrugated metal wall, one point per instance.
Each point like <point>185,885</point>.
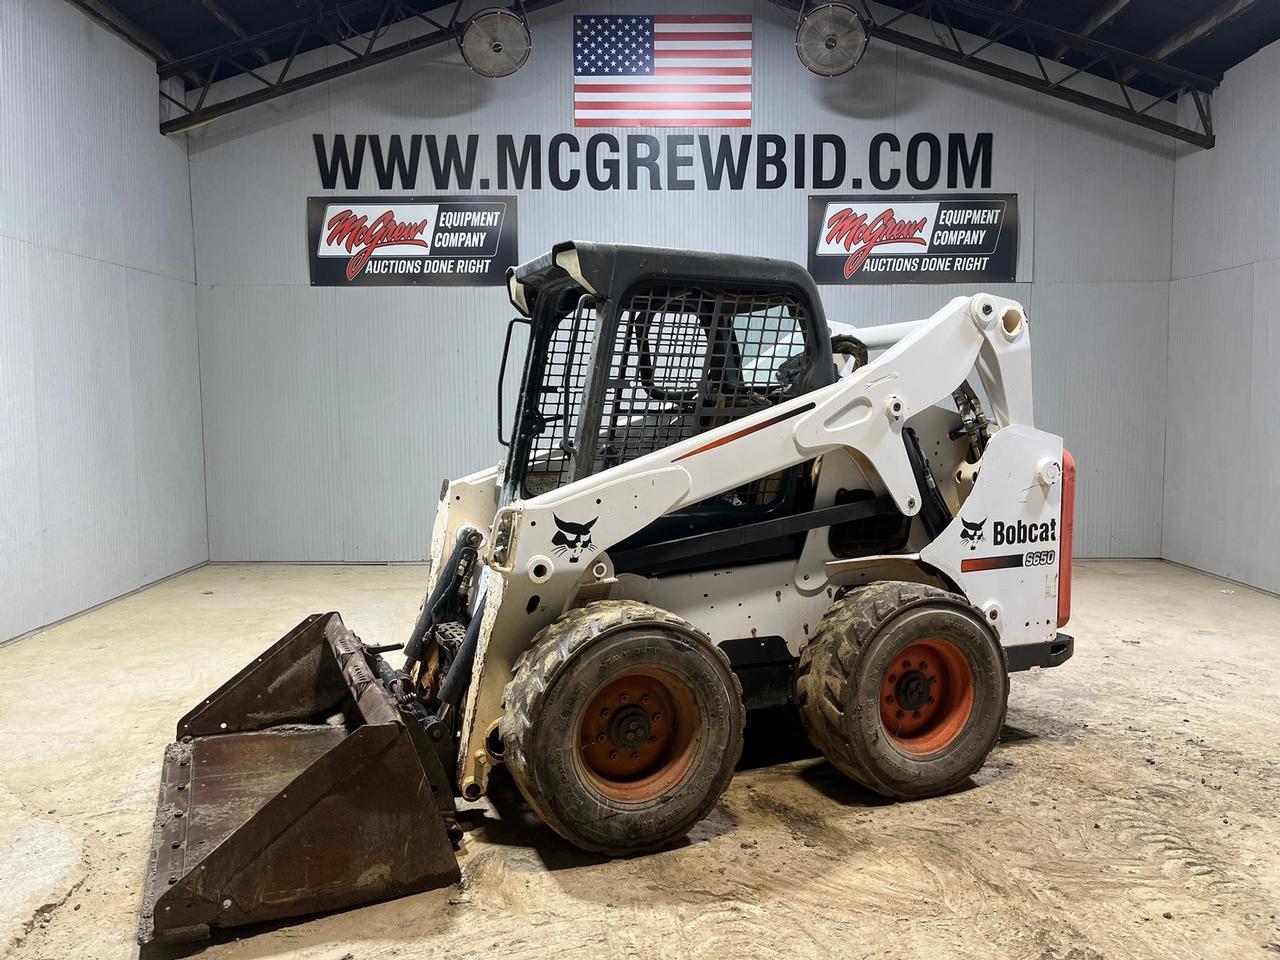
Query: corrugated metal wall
<point>101,470</point>
<point>332,415</point>
<point>1220,510</point>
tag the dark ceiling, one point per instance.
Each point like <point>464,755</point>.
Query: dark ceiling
<point>185,28</point>
<point>1210,36</point>
<point>1162,48</point>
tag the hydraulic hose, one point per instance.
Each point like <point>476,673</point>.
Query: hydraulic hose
<point>459,675</point>
<point>467,539</point>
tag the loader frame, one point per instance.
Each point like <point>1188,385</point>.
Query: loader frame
<point>685,449</point>
<point>861,419</point>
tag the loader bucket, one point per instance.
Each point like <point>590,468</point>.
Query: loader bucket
<point>295,788</point>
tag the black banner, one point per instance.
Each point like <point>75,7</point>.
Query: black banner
<point>943,238</point>
<point>406,241</point>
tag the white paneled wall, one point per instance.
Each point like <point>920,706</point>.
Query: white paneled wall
<point>101,459</point>
<point>1221,510</point>
<point>321,421</point>
<point>1108,404</point>
<point>343,410</point>
<point>331,416</point>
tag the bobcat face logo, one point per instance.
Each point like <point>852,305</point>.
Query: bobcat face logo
<point>972,533</point>
<point>572,538</point>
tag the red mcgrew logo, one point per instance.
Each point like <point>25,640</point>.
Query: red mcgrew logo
<point>849,229</point>
<point>361,238</point>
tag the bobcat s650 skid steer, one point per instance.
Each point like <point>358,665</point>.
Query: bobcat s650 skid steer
<point>707,506</point>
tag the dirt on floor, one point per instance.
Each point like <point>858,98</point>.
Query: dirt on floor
<point>1132,809</point>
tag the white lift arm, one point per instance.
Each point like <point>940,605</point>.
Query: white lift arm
<point>864,412</point>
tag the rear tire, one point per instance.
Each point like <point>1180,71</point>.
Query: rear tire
<point>904,688</point>
<point>621,726</point>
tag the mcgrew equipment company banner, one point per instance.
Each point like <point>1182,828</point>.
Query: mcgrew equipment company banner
<point>946,238</point>
<point>456,241</point>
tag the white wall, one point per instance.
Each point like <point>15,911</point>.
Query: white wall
<point>331,415</point>
<point>1221,487</point>
<point>101,471</point>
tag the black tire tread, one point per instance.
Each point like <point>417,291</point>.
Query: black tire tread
<point>828,666</point>
<point>535,669</point>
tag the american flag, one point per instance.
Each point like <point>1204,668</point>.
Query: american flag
<point>662,71</point>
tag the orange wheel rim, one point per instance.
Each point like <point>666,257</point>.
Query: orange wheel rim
<point>637,735</point>
<point>926,696</point>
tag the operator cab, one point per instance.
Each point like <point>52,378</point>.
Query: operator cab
<point>632,349</point>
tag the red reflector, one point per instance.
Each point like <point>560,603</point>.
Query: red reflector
<point>990,563</point>
<point>1064,551</point>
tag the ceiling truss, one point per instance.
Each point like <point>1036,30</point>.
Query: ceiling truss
<point>186,83</point>
<point>358,50</point>
<point>1043,73</point>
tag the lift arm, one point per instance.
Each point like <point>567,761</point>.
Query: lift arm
<point>538,575</point>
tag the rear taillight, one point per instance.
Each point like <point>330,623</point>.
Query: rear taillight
<point>1064,541</point>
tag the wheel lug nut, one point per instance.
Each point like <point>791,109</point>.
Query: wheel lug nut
<point>931,699</point>
<point>900,714</point>
<point>653,739</point>
<point>893,677</point>
<point>916,714</point>
<point>613,754</point>
<point>635,755</point>
<point>889,699</point>
<point>623,698</point>
<point>923,665</point>
<point>657,717</point>
<point>933,679</point>
<point>604,713</point>
<point>599,738</point>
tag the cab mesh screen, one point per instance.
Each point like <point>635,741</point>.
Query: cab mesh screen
<point>688,359</point>
<point>560,399</point>
<point>684,359</point>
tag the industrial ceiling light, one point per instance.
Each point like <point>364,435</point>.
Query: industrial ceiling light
<point>831,38</point>
<point>495,42</point>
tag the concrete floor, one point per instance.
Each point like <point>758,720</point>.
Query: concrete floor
<point>1131,810</point>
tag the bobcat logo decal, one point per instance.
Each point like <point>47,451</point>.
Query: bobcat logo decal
<point>972,533</point>
<point>572,538</point>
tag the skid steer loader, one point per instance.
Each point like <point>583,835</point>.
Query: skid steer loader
<point>708,505</point>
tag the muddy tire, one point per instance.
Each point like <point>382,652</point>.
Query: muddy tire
<point>621,726</point>
<point>904,688</point>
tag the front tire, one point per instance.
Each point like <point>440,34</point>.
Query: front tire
<point>904,688</point>
<point>621,726</point>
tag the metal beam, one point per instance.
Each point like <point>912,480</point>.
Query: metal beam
<point>219,13</point>
<point>1181,81</point>
<point>289,31</point>
<point>1096,22</point>
<point>1013,6</point>
<point>125,28</point>
<point>286,83</point>
<point>1000,72</point>
<point>363,54</point>
<point>1087,45</point>
<point>1210,22</point>
<point>1103,17</point>
<point>122,26</point>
